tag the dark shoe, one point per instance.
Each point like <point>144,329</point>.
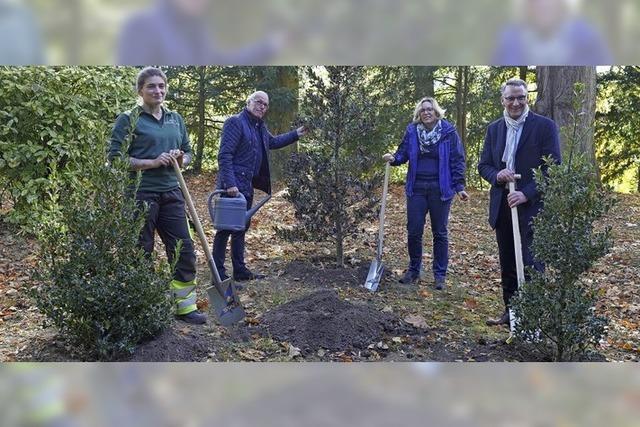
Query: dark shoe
<point>502,320</point>
<point>195,317</point>
<point>440,283</point>
<point>409,277</point>
<point>247,275</point>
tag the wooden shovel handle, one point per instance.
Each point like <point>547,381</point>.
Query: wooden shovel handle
<point>196,221</point>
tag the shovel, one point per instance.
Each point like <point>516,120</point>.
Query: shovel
<point>517,246</point>
<point>377,269</point>
<point>222,294</point>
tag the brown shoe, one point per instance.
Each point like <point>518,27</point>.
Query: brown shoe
<point>502,320</point>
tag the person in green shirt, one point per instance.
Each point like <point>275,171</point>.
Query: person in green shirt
<point>158,136</point>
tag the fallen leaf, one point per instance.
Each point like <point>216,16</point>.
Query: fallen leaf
<point>184,330</point>
<point>425,294</point>
<point>382,346</point>
<point>293,351</point>
<point>345,358</point>
<point>251,355</point>
<point>202,304</point>
<point>374,356</point>
<point>251,321</point>
<point>471,303</point>
<point>416,320</point>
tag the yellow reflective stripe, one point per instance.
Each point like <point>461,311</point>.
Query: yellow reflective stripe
<point>191,300</point>
<point>186,306</point>
<point>183,293</point>
<point>177,284</point>
<point>182,289</point>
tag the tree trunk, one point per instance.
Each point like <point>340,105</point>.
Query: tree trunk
<point>638,180</point>
<point>523,72</point>
<point>462,95</point>
<point>202,95</point>
<point>556,99</point>
<point>280,120</point>
<point>423,82</point>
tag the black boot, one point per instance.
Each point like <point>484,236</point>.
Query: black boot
<point>502,320</point>
<point>409,277</point>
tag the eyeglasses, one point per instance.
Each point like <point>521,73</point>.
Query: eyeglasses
<point>520,98</point>
<point>427,110</point>
<point>261,103</point>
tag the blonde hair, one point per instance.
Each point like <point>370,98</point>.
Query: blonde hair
<point>436,107</point>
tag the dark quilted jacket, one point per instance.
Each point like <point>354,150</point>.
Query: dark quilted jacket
<point>238,154</point>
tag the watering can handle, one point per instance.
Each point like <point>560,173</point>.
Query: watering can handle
<point>210,200</point>
<point>220,191</point>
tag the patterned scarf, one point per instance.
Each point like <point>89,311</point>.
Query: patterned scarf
<point>428,139</point>
<point>512,133</point>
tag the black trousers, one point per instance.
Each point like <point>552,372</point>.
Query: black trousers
<point>506,251</point>
<point>166,215</point>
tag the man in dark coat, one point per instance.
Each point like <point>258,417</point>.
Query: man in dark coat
<point>515,144</point>
<point>243,164</point>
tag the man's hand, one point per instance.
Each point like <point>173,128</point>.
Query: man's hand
<point>232,191</point>
<point>388,157</point>
<point>506,175</point>
<point>463,195</point>
<point>302,131</point>
<point>516,198</point>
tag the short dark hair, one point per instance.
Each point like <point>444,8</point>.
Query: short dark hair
<point>147,72</point>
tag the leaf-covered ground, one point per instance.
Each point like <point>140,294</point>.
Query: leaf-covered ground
<point>446,325</point>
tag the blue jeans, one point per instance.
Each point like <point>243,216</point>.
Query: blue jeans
<point>426,199</point>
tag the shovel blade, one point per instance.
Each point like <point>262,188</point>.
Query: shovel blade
<point>376,269</point>
<point>227,310</point>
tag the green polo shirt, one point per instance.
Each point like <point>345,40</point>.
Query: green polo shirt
<point>151,137</point>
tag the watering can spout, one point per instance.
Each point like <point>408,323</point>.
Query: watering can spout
<point>258,205</point>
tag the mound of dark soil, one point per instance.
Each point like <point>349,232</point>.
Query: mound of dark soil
<point>181,343</point>
<point>326,275</point>
<point>323,320</point>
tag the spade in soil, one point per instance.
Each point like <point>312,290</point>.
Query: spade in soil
<point>376,269</point>
<point>222,294</point>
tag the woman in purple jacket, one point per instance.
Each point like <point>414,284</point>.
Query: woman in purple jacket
<point>436,172</point>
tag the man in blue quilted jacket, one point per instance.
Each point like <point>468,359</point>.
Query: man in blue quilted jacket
<point>243,164</point>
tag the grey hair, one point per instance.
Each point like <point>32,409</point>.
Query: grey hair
<point>147,72</point>
<point>436,107</point>
<point>513,82</point>
<point>253,95</point>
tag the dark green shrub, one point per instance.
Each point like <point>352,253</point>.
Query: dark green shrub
<point>95,283</point>
<point>556,309</point>
<point>52,119</point>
